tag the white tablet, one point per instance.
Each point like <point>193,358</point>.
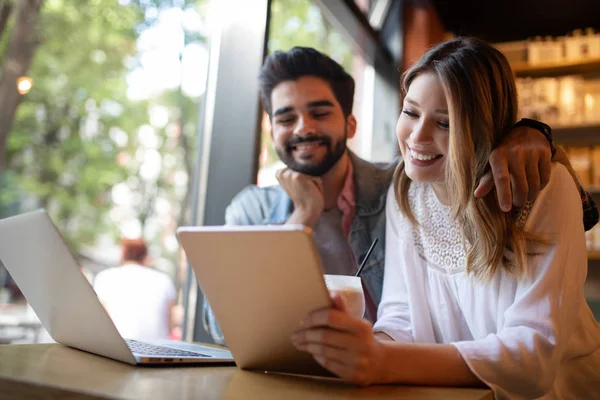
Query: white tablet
<point>261,282</point>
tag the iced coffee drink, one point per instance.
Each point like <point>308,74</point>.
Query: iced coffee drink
<point>351,291</point>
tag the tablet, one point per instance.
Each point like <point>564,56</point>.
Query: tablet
<point>261,282</point>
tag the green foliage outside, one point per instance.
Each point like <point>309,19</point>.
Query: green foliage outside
<point>76,134</point>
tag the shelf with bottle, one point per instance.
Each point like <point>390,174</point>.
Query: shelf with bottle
<point>592,189</point>
<point>577,52</point>
<point>593,255</point>
<point>574,135</point>
<point>550,69</point>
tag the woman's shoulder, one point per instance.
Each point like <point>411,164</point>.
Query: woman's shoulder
<point>560,177</point>
<point>418,201</point>
<point>417,192</point>
<point>559,199</point>
<point>561,188</point>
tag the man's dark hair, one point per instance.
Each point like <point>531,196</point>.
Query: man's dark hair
<point>290,65</point>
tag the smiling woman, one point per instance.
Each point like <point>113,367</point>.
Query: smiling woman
<point>423,130</point>
<point>471,295</point>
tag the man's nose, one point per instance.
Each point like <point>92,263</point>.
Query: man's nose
<point>306,126</point>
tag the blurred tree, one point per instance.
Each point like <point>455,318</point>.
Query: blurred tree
<point>59,149</point>
<point>301,23</point>
<point>16,58</point>
<point>77,134</point>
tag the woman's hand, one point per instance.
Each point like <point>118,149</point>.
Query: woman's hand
<point>342,344</point>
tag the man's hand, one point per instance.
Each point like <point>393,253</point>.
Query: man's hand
<point>519,168</point>
<point>306,192</point>
<point>343,344</point>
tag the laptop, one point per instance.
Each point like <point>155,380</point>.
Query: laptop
<point>261,282</point>
<point>39,261</point>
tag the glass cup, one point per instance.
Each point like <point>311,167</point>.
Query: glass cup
<point>350,289</point>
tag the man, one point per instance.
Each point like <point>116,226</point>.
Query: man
<point>309,97</point>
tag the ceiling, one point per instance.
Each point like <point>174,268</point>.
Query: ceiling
<point>507,20</point>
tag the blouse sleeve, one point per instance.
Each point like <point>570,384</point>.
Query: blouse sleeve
<point>522,359</point>
<point>393,314</point>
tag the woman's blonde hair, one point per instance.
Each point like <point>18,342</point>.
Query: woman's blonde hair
<point>482,106</point>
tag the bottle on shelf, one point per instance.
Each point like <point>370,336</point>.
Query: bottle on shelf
<point>591,88</point>
<point>574,46</point>
<point>592,43</point>
<point>571,100</point>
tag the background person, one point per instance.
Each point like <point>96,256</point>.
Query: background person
<point>138,298</point>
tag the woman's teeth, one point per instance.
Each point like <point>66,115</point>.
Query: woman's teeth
<point>422,157</point>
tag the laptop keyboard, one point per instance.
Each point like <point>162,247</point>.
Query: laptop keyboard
<point>153,350</point>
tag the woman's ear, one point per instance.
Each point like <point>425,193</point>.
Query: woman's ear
<point>350,126</point>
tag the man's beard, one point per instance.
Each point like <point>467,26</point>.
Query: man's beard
<point>320,168</point>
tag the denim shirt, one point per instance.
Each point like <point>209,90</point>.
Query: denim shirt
<point>272,206</point>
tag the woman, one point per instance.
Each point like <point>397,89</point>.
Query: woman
<point>472,296</point>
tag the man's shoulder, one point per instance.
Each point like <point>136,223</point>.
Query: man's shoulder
<point>372,181</point>
<point>373,171</point>
<point>107,277</point>
<point>385,171</point>
<point>106,273</point>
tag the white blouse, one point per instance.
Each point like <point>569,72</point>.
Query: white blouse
<point>529,338</point>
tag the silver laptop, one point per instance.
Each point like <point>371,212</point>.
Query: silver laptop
<point>41,264</point>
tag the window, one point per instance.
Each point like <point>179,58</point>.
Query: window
<point>104,135</point>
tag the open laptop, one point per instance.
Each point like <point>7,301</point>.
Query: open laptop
<point>261,282</point>
<point>41,264</point>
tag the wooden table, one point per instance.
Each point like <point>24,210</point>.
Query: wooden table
<point>55,371</point>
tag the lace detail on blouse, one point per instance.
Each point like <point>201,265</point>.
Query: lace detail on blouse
<point>437,237</point>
